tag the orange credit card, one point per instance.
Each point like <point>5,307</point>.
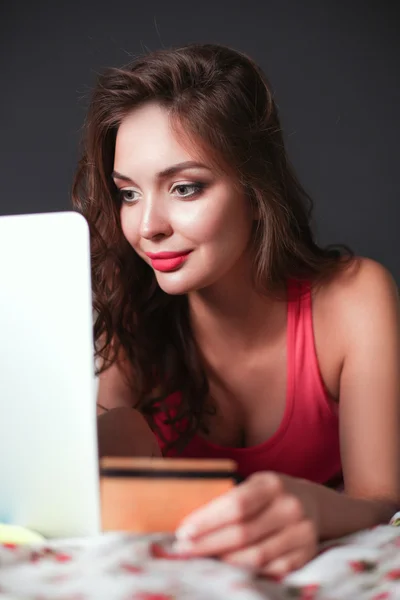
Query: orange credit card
<point>151,495</point>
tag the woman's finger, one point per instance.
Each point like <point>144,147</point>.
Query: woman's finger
<point>299,538</point>
<point>283,510</point>
<point>237,505</point>
<point>285,564</point>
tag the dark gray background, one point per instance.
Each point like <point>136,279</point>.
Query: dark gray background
<point>333,64</point>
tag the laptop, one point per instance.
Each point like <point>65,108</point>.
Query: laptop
<point>48,439</point>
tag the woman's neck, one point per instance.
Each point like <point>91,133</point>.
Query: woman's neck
<point>233,314</point>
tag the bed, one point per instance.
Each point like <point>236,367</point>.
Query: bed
<point>364,566</point>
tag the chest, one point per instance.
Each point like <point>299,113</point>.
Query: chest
<point>249,394</point>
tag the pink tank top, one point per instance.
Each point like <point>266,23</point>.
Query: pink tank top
<point>306,444</point>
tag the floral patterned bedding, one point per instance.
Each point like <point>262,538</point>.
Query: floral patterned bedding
<point>365,566</point>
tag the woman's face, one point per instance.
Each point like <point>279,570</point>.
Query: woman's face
<point>186,221</point>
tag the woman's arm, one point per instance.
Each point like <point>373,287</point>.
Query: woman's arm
<point>367,315</point>
<point>114,390</point>
<point>122,430</point>
<point>337,514</point>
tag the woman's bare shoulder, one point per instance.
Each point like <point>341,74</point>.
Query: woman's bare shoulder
<point>362,283</point>
<point>357,299</point>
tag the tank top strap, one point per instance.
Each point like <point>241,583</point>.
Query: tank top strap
<point>308,381</point>
<point>304,367</point>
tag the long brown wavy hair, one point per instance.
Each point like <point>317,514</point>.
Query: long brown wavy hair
<point>222,100</point>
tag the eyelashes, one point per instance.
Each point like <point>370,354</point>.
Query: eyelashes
<point>130,196</point>
<point>198,187</point>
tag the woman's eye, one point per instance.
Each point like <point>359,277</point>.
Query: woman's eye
<point>128,196</point>
<point>182,190</point>
<point>187,190</point>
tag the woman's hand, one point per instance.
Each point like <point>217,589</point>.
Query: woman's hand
<point>268,524</point>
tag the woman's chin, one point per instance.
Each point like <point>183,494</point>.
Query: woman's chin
<point>174,284</point>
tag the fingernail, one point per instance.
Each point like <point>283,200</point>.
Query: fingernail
<point>186,532</point>
<point>277,568</point>
<point>181,547</point>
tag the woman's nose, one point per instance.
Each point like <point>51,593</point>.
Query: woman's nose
<point>155,222</point>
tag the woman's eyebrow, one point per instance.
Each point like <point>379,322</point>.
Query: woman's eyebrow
<point>172,170</point>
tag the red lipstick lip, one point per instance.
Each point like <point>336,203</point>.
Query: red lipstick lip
<point>166,255</point>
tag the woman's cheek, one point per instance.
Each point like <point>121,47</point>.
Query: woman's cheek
<point>130,227</point>
<point>199,223</point>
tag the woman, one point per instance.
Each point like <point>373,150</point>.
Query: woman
<point>222,328</point>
